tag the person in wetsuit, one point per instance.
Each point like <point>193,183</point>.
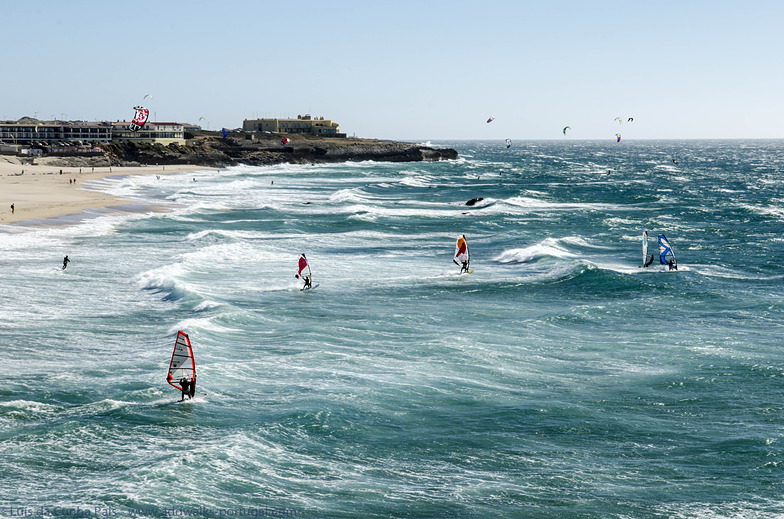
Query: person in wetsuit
<point>185,385</point>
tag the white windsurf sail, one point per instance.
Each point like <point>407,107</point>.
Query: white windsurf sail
<point>644,248</point>
<point>182,364</point>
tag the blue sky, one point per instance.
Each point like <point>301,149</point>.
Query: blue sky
<point>407,70</point>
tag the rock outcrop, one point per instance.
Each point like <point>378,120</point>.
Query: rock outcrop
<point>208,149</point>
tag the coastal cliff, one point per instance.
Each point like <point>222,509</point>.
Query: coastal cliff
<point>211,149</point>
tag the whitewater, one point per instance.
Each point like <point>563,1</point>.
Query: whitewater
<point>560,379</point>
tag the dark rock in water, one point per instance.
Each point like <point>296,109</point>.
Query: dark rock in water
<point>473,201</point>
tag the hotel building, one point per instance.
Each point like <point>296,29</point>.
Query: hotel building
<point>302,124</point>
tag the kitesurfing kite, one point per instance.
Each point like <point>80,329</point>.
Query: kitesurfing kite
<point>182,365</point>
<point>630,119</point>
<point>508,143</point>
<point>491,119</point>
<point>461,255</point>
<point>620,121</point>
<point>618,137</point>
<point>566,128</point>
<point>146,96</point>
<point>140,118</point>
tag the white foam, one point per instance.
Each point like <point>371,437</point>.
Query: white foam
<point>353,195</point>
<point>768,210</point>
<point>164,277</point>
<point>28,406</point>
<point>550,247</point>
<point>417,181</point>
<point>206,305</point>
<point>535,204</point>
<point>716,271</point>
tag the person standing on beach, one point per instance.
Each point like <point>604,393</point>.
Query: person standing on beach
<point>12,208</point>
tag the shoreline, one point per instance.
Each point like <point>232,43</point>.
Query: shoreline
<point>51,190</point>
<point>43,193</point>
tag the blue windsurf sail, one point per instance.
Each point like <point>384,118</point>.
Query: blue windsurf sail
<point>666,254</point>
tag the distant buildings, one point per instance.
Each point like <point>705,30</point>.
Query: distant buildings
<point>302,124</point>
<point>54,133</point>
<point>161,133</point>
<point>77,132</point>
<point>31,136</point>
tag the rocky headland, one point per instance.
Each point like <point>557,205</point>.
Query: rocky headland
<point>257,149</point>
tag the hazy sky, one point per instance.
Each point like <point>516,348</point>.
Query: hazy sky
<point>401,69</point>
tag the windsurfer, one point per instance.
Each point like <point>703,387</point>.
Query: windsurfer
<point>461,251</point>
<point>667,256</point>
<point>183,365</point>
<point>303,264</point>
<point>185,388</point>
<point>648,263</point>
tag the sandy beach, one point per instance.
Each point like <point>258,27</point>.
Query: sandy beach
<point>44,192</point>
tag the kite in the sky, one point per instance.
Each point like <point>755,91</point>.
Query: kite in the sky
<point>146,96</point>
<point>566,128</point>
<point>140,118</point>
<point>618,136</point>
<point>620,121</point>
<point>491,119</point>
<point>630,119</point>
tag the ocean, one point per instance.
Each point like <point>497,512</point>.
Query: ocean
<point>558,380</point>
